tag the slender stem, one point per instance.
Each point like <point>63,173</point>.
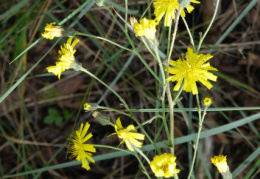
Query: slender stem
<point>211,22</point>
<point>168,90</point>
<point>188,30</point>
<point>141,153</point>
<point>201,119</point>
<point>101,38</point>
<point>111,109</point>
<point>163,95</point>
<point>93,76</point>
<point>141,163</point>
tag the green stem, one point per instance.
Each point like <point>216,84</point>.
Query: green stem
<point>168,90</point>
<point>201,119</point>
<point>141,153</point>
<point>101,38</point>
<point>207,30</point>
<point>188,30</point>
<point>142,165</point>
<point>79,67</point>
<point>115,110</point>
<point>163,96</point>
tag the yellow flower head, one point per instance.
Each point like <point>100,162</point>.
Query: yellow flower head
<point>51,31</point>
<point>66,58</point>
<point>169,8</point>
<point>78,149</point>
<point>221,163</point>
<point>207,101</point>
<point>146,28</point>
<point>190,70</point>
<point>128,135</point>
<point>164,165</point>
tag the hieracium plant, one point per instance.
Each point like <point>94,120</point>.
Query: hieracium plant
<point>176,76</point>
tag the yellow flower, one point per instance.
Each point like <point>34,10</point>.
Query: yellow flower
<point>78,149</point>
<point>128,135</point>
<point>66,58</point>
<point>190,70</point>
<point>221,163</point>
<point>164,165</point>
<point>52,31</point>
<point>207,101</point>
<point>87,106</point>
<point>169,8</point>
<point>146,28</point>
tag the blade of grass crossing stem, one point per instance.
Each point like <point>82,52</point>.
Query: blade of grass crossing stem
<point>246,162</point>
<point>149,147</point>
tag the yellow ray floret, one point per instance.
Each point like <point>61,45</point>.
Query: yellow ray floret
<point>145,28</point>
<point>66,58</point>
<point>51,31</point>
<point>169,8</point>
<point>79,149</point>
<point>129,136</point>
<point>193,68</point>
<point>164,165</point>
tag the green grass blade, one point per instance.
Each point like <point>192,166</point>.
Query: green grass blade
<point>233,25</point>
<point>246,162</point>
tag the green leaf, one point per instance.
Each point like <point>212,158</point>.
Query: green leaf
<point>67,115</point>
<point>53,112</point>
<point>58,121</point>
<point>48,119</point>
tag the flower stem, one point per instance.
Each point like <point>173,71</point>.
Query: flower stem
<point>211,22</point>
<point>102,38</point>
<point>201,119</point>
<point>168,91</point>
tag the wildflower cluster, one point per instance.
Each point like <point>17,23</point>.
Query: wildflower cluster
<point>186,72</point>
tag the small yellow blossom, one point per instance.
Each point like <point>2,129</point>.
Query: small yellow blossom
<point>164,165</point>
<point>128,135</point>
<point>169,8</point>
<point>78,149</point>
<point>66,58</point>
<point>146,28</point>
<point>190,70</point>
<point>51,31</point>
<point>207,101</point>
<point>221,163</point>
<point>87,106</point>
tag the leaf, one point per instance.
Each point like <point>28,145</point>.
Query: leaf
<point>58,121</point>
<point>48,120</point>
<point>53,112</point>
<point>67,115</point>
